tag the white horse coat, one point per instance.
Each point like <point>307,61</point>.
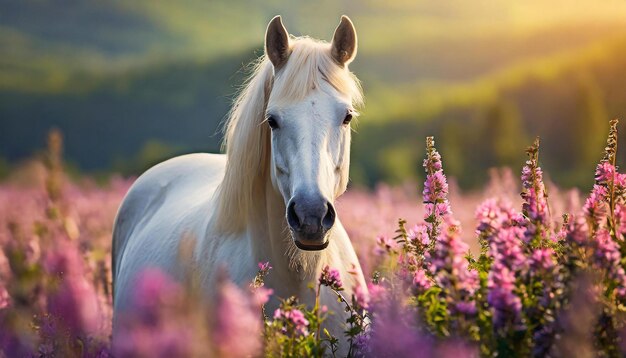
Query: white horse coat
<point>288,142</point>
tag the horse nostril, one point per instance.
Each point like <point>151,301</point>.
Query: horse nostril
<point>292,216</point>
<point>329,219</point>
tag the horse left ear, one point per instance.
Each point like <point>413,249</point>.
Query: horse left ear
<point>343,48</point>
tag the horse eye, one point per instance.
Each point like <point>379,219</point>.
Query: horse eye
<point>348,118</point>
<point>272,122</point>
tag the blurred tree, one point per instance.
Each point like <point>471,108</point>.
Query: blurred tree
<point>505,134</point>
<point>587,129</point>
<point>152,153</point>
<point>5,168</point>
<point>453,141</point>
<point>399,163</point>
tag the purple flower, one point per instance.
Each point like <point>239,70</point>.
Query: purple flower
<point>393,335</point>
<point>535,205</point>
<point>531,174</point>
<point>435,188</point>
<point>435,191</point>
<point>596,207</point>
<point>73,301</point>
<point>450,268</point>
<point>578,230</point>
<point>361,345</point>
<point>501,297</point>
<point>465,307</point>
<point>420,280</point>
<point>506,248</point>
<point>330,277</point>
<point>46,349</point>
<point>607,257</point>
<point>169,340</point>
<point>543,259</point>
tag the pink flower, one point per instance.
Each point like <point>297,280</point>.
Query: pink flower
<point>605,173</point>
<point>73,301</point>
<point>384,245</point>
<point>596,207</point>
<point>578,230</point>
<point>264,266</point>
<point>330,277</point>
<point>154,291</point>
<point>377,294</point>
<point>506,248</point>
<point>438,210</point>
<point>620,181</point>
<point>620,219</point>
<point>261,295</point>
<point>607,257</point>
<point>238,328</point>
<point>492,214</point>
<point>293,317</point>
<point>362,296</point>
<point>543,259</point>
<point>421,280</point>
<point>435,188</point>
<point>418,236</point>
<point>5,299</point>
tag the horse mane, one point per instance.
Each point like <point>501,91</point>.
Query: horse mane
<point>247,142</point>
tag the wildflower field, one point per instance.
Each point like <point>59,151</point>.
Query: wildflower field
<point>536,274</point>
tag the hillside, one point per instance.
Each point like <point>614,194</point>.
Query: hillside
<point>132,83</point>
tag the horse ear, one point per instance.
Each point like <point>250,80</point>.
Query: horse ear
<point>343,48</point>
<point>277,42</point>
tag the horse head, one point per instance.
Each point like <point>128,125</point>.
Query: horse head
<point>309,113</point>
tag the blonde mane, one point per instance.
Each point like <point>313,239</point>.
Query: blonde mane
<point>247,142</point>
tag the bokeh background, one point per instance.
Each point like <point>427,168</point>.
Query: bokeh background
<point>130,83</point>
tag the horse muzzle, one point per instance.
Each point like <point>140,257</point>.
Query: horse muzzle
<point>310,219</point>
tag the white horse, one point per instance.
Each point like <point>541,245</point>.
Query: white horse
<point>270,198</point>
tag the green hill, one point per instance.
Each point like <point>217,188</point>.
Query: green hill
<point>131,82</point>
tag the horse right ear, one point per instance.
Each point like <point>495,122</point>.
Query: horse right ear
<point>277,42</point>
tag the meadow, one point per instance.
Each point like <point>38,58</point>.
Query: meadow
<point>536,274</point>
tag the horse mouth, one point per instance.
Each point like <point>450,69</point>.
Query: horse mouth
<point>311,247</point>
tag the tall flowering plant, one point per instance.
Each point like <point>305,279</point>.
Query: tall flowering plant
<point>435,193</point>
<point>516,297</point>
